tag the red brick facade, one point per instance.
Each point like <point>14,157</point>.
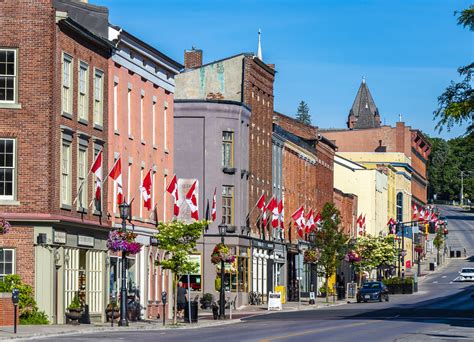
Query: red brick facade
<point>7,310</point>
<point>347,205</point>
<point>258,95</point>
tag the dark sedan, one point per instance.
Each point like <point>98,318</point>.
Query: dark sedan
<point>373,290</point>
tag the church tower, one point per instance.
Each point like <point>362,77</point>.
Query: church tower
<point>364,113</point>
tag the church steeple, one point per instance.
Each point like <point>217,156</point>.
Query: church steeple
<point>364,113</point>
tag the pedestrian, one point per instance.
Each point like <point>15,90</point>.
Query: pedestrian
<point>181,294</point>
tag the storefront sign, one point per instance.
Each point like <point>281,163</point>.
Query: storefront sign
<point>262,244</point>
<point>274,301</point>
<point>59,237</point>
<point>312,295</point>
<point>83,240</point>
<point>351,290</point>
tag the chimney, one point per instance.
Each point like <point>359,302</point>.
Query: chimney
<point>192,58</point>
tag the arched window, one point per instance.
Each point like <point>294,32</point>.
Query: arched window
<point>400,207</point>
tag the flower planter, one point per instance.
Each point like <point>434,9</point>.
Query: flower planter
<point>73,316</point>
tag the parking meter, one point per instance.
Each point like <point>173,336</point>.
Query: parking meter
<point>163,300</point>
<point>15,296</point>
<point>15,300</point>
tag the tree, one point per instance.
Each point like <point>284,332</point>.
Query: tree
<point>456,104</point>
<point>178,239</point>
<point>331,242</point>
<point>302,113</point>
<point>438,242</point>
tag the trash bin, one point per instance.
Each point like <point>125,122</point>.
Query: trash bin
<point>458,254</point>
<point>451,254</point>
<point>432,266</point>
<point>194,312</point>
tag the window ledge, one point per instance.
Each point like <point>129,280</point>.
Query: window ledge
<point>10,105</point>
<point>82,211</point>
<point>67,115</point>
<point>166,151</point>
<point>9,202</point>
<point>96,212</point>
<point>155,147</point>
<point>65,206</point>
<point>130,137</point>
<point>116,132</point>
<point>143,142</point>
<point>83,121</point>
<point>99,127</point>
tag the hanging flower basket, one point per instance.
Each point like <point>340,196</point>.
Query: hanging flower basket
<point>125,242</point>
<point>419,249</point>
<point>311,256</point>
<point>4,226</point>
<point>220,253</point>
<point>352,256</point>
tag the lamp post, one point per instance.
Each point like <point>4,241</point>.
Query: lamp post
<point>124,214</point>
<point>222,230</point>
<point>314,279</point>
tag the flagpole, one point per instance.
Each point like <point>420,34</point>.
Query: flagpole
<point>255,206</point>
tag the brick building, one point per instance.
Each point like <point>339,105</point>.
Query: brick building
<point>55,99</point>
<point>141,90</point>
<point>347,205</point>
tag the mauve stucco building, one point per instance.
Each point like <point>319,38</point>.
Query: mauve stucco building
<point>212,146</point>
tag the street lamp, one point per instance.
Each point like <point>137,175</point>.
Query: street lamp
<point>124,214</point>
<point>222,230</point>
<point>314,279</point>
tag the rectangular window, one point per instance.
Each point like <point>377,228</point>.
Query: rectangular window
<point>115,106</point>
<point>165,127</point>
<point>98,97</point>
<point>8,73</point>
<point>7,169</point>
<point>65,173</point>
<point>153,122</point>
<point>82,178</point>
<point>83,96</point>
<point>97,203</point>
<point>227,149</point>
<point>129,119</point>
<point>7,262</point>
<point>67,84</point>
<point>141,117</point>
<point>228,204</point>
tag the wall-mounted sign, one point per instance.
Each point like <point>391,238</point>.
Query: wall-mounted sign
<point>59,237</point>
<point>83,240</point>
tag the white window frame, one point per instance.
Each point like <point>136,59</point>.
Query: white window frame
<point>15,77</point>
<point>83,94</point>
<point>13,195</point>
<point>98,98</point>
<point>84,192</point>
<point>116,106</point>
<point>153,120</point>
<point>66,85</point>
<point>165,126</point>
<point>65,199</point>
<point>142,101</point>
<point>129,111</point>
<point>2,274</point>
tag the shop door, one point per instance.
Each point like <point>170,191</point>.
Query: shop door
<point>71,274</point>
<point>95,281</point>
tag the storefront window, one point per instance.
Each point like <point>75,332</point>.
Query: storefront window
<point>195,278</point>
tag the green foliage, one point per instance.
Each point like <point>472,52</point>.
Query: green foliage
<point>398,281</point>
<point>331,241</point>
<point>438,241</point>
<point>75,303</point>
<point>456,104</point>
<point>29,312</point>
<point>302,113</point>
<point>374,251</point>
<point>445,163</point>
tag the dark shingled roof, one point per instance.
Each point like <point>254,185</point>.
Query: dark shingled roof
<point>364,109</point>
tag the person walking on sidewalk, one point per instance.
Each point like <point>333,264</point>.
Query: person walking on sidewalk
<point>181,299</point>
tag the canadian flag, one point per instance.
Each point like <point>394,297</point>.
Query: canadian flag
<point>273,207</point>
<point>116,175</point>
<point>427,215</point>
<point>214,204</point>
<point>415,211</point>
<point>391,225</point>
<point>191,199</point>
<point>422,215</point>
<point>173,190</point>
<point>261,203</point>
<point>434,218</point>
<point>317,220</point>
<point>145,189</point>
<point>309,222</point>
<point>264,216</point>
<point>359,220</point>
<point>96,169</point>
<point>281,211</point>
<point>298,216</point>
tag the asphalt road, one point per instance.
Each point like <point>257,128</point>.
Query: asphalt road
<point>442,310</point>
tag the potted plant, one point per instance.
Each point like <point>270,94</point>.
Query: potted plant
<point>125,242</point>
<point>220,253</point>
<point>419,249</point>
<point>4,226</point>
<point>74,310</point>
<point>112,311</point>
<point>311,256</point>
<point>206,301</point>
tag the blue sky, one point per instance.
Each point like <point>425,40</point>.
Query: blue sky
<point>408,50</point>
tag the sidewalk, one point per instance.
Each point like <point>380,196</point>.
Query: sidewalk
<point>28,332</point>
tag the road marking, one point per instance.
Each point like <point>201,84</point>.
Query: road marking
<point>443,277</point>
<point>435,282</point>
<point>306,332</point>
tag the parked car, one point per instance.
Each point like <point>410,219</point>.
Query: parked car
<point>373,290</point>
<point>466,274</point>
